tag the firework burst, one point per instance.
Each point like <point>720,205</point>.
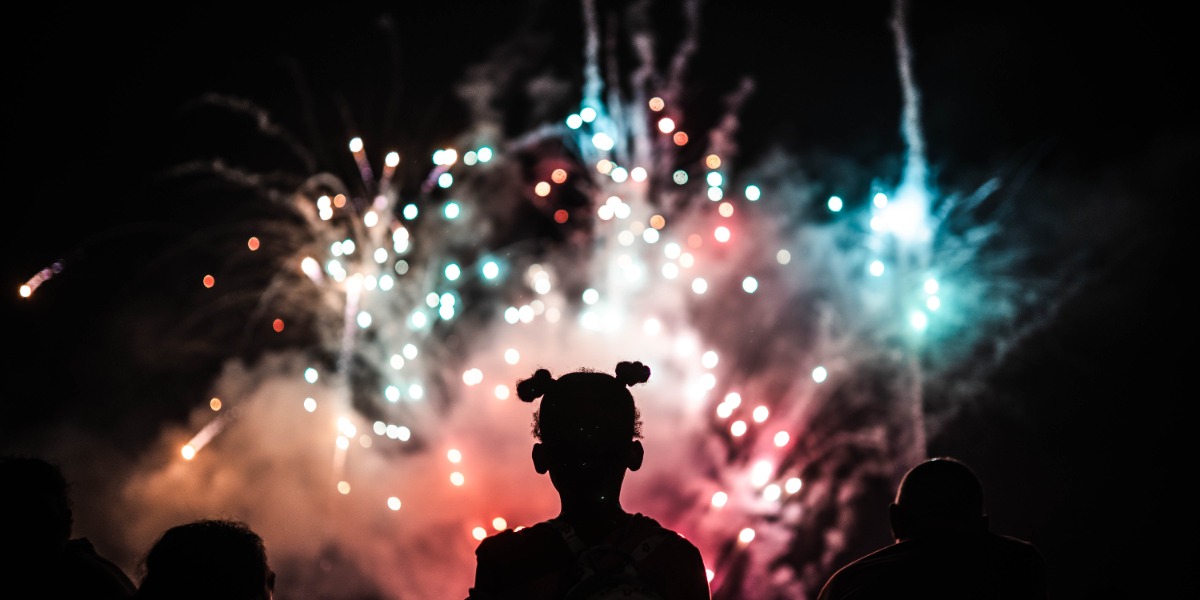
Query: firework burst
<point>373,437</point>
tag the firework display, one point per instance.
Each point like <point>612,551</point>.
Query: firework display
<point>792,334</point>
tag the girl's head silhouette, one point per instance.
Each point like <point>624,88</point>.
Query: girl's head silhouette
<point>587,426</point>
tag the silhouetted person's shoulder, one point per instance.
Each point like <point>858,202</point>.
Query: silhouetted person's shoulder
<point>673,563</point>
<point>525,563</point>
<point>984,565</point>
<point>91,575</point>
<point>536,562</point>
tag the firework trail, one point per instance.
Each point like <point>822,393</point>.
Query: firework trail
<point>790,353</point>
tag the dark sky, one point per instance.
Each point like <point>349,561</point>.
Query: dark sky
<point>1088,111</point>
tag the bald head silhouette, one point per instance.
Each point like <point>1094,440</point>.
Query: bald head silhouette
<point>938,496</point>
<point>944,548</point>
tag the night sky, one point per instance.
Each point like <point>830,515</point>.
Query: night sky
<point>1083,114</point>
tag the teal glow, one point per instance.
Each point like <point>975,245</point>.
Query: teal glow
<point>491,270</point>
<point>918,320</point>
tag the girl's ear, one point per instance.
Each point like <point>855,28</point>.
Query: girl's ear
<point>636,454</point>
<point>540,462</point>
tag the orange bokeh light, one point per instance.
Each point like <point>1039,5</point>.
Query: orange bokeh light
<point>277,325</point>
<point>560,216</point>
<point>209,281</point>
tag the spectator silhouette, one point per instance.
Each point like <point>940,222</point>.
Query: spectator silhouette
<point>208,559</point>
<point>944,548</point>
<point>39,557</point>
<point>587,426</point>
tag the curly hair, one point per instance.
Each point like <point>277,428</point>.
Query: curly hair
<point>208,558</point>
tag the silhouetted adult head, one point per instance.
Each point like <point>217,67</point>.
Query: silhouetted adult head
<point>35,505</point>
<point>208,559</point>
<point>36,547</point>
<point>939,495</point>
<point>588,427</point>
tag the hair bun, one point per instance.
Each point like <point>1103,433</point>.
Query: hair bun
<point>530,389</point>
<point>632,373</point>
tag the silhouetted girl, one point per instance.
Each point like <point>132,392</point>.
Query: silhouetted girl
<point>588,430</point>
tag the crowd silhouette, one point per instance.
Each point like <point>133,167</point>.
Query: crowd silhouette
<point>587,430</point>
